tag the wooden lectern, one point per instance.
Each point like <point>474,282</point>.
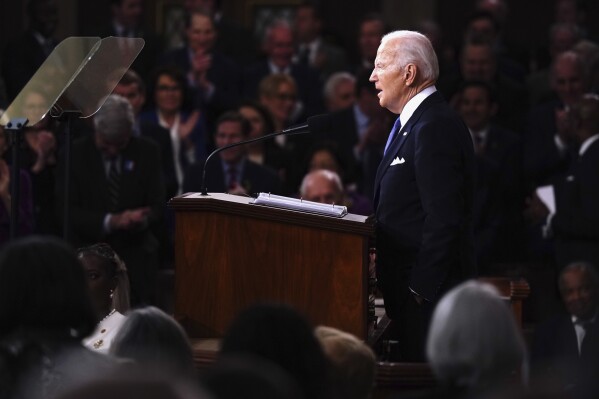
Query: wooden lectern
<point>230,254</point>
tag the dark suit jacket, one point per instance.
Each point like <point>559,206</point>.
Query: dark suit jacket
<point>223,74</point>
<point>255,178</point>
<point>423,204</point>
<point>542,159</point>
<point>309,88</point>
<point>555,356</point>
<point>142,185</point>
<point>576,221</point>
<point>162,137</point>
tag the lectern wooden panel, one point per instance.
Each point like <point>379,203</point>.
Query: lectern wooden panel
<point>230,254</point>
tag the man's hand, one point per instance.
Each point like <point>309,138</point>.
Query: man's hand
<point>536,211</point>
<point>129,219</point>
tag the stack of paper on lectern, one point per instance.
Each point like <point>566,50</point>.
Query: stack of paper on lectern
<point>296,204</point>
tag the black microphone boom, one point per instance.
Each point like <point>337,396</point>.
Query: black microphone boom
<point>315,124</point>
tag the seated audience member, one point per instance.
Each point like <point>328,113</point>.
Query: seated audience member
<point>498,195</point>
<point>325,186</point>
<point>26,221</point>
<point>312,48</point>
<point>360,132</point>
<point>265,152</point>
<point>216,78</point>
<point>231,171</point>
<point>132,87</point>
<point>340,91</point>
<point>109,288</point>
<point>255,378</point>
<point>565,349</point>
<point>371,30</point>
<point>574,223</point>
<point>171,110</point>
<point>279,334</point>
<point>117,194</point>
<point>45,312</point>
<point>474,346</point>
<point>353,363</point>
<point>547,145</point>
<point>278,47</point>
<point>157,343</point>
<point>278,94</point>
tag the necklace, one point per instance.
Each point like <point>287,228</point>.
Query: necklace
<point>108,315</point>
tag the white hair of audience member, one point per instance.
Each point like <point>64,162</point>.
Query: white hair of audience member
<point>474,340</point>
<point>155,341</point>
<point>328,174</point>
<point>115,118</point>
<point>335,80</point>
<point>415,49</point>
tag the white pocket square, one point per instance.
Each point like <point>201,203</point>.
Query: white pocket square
<point>397,161</point>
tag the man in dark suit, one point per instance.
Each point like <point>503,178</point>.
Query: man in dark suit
<point>278,46</point>
<point>423,190</point>
<point>575,221</point>
<point>214,76</point>
<point>127,21</point>
<point>499,198</point>
<point>27,52</point>
<point>565,350</point>
<point>132,87</point>
<point>232,172</point>
<point>117,194</point>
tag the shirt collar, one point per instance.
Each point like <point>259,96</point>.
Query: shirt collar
<point>275,69</point>
<point>587,143</point>
<point>576,320</point>
<point>414,103</point>
<point>482,134</point>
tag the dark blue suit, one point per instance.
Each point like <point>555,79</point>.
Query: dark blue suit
<point>423,205</point>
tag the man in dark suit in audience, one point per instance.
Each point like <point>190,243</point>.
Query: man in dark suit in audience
<point>565,350</point>
<point>117,194</point>
<point>216,78</point>
<point>231,171</point>
<point>424,190</point>
<point>575,221</point>
<point>499,199</point>
<point>133,89</point>
<point>278,45</point>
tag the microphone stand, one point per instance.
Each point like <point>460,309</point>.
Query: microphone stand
<point>289,132</point>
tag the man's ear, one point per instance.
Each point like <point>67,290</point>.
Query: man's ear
<point>410,71</point>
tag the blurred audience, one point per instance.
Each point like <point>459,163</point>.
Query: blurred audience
<point>565,350</point>
<point>474,345</point>
<point>279,334</point>
<point>353,363</point>
<point>232,172</point>
<point>156,343</point>
<point>45,312</point>
<point>340,91</point>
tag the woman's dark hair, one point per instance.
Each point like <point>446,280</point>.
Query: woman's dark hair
<point>175,73</point>
<point>278,333</point>
<point>269,126</point>
<point>43,288</point>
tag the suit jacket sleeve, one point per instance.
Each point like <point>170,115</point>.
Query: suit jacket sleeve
<point>442,186</point>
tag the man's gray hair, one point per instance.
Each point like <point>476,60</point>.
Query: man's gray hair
<point>115,118</point>
<point>415,49</point>
<point>581,266</point>
<point>328,174</point>
<point>473,337</point>
<point>334,80</point>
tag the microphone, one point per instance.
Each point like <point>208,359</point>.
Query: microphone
<point>316,124</point>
